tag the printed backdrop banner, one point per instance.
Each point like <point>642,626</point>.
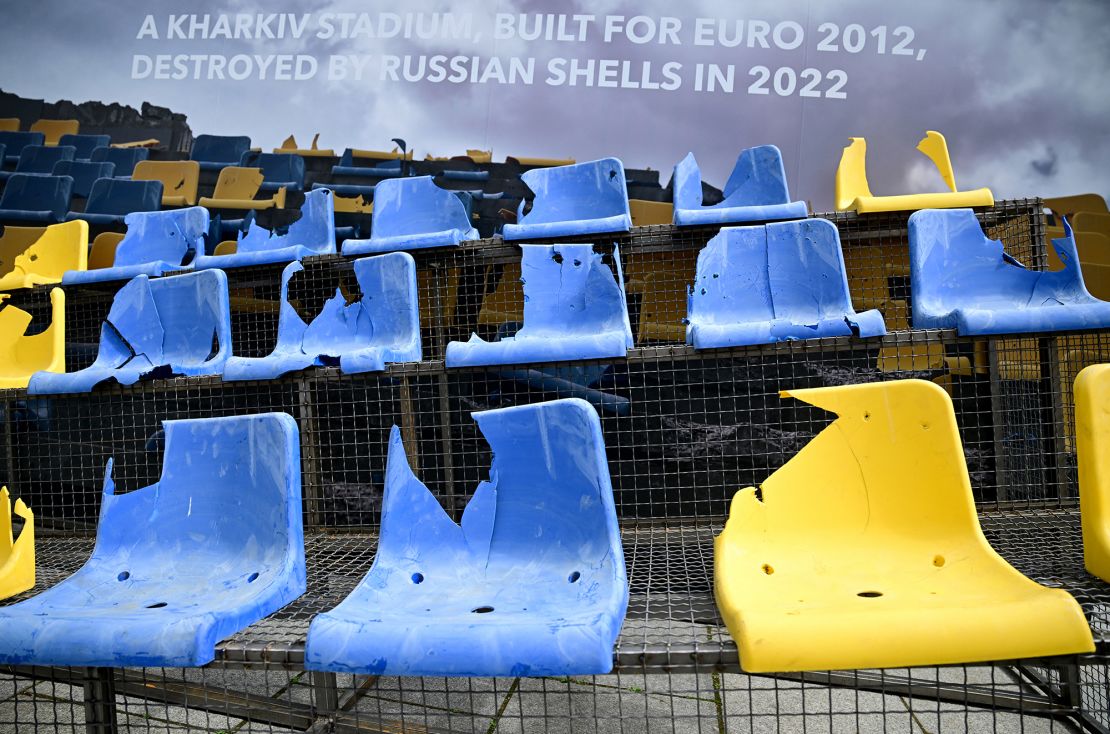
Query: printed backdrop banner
<point>1017,87</point>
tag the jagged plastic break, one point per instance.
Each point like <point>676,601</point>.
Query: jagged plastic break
<point>756,191</point>
<point>382,327</point>
<point>215,545</point>
<point>21,356</point>
<point>962,279</point>
<point>312,234</point>
<point>573,309</point>
<point>413,213</point>
<point>532,583</point>
<point>865,551</point>
<point>1092,425</point>
<point>60,248</point>
<point>17,559</point>
<point>583,198</point>
<point>155,242</point>
<point>774,282</point>
<point>852,191</point>
<point>180,325</point>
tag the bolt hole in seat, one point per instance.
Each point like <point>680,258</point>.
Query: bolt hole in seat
<point>496,597</point>
<point>854,526</point>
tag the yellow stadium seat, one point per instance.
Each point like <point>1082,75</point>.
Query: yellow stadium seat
<point>21,355</point>
<point>53,130</point>
<point>102,253</point>
<point>522,160</point>
<point>236,188</point>
<point>506,303</point>
<point>46,258</point>
<point>1067,206</point>
<point>180,180</point>
<point>17,559</point>
<point>660,280</point>
<point>853,192</point>
<point>1096,222</point>
<point>227,247</point>
<point>448,297</point>
<point>381,155</point>
<point>476,156</point>
<point>1094,258</point>
<point>289,145</point>
<point>645,213</point>
<point>865,551</point>
<point>351,205</point>
<point>1092,423</point>
<point>9,124</point>
<point>148,143</point>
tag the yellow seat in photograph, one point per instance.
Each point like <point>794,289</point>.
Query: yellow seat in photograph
<point>9,124</point>
<point>1092,426</point>
<point>180,180</point>
<point>1067,206</point>
<point>1094,222</point>
<point>475,155</point>
<point>865,550</point>
<point>102,252</point>
<point>351,205</point>
<point>660,280</point>
<point>381,155</point>
<point>1094,258</point>
<point>17,558</point>
<point>53,130</point>
<point>853,192</point>
<point>505,303</point>
<point>524,160</point>
<point>236,188</point>
<point>37,256</point>
<point>22,355</point>
<point>289,146</point>
<point>645,213</point>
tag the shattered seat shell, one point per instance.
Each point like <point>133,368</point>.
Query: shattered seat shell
<point>59,249</point>
<point>17,558</point>
<point>22,356</point>
<point>215,545</point>
<point>414,213</point>
<point>155,243</point>
<point>962,279</point>
<point>159,326</point>
<point>380,328</point>
<point>531,583</point>
<point>1092,430</point>
<point>756,191</point>
<point>583,198</point>
<point>312,234</point>
<point>865,551</point>
<point>574,308</point>
<point>775,282</point>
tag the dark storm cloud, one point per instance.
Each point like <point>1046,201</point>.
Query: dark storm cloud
<point>1017,87</point>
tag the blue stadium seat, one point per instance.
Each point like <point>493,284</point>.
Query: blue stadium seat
<point>155,242</point>
<point>278,170</point>
<point>85,144</point>
<point>33,198</point>
<point>15,142</point>
<point>216,152</point>
<point>123,158</point>
<point>584,198</point>
<point>39,159</point>
<point>383,169</point>
<point>756,191</point>
<point>112,199</point>
<point>412,213</point>
<point>84,173</point>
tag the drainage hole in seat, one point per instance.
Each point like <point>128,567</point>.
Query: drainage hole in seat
<point>418,578</point>
<point>157,605</point>
<point>870,594</point>
<point>123,575</point>
<point>938,561</point>
<point>574,577</point>
<point>482,610</point>
<point>252,578</point>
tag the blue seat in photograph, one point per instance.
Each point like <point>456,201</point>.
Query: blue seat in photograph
<point>84,145</point>
<point>215,545</point>
<point>216,152</point>
<point>531,583</point>
<point>465,175</point>
<point>382,169</point>
<point>112,199</point>
<point>573,309</point>
<point>413,213</point>
<point>180,325</point>
<point>123,158</point>
<point>155,242</point>
<point>39,159</point>
<point>84,174</point>
<point>756,191</point>
<point>584,198</point>
<point>775,282</point>
<point>381,327</point>
<point>15,142</point>
<point>962,279</point>
<point>312,234</point>
<point>279,170</point>
<point>29,197</point>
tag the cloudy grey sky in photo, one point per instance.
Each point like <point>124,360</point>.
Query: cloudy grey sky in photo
<point>1017,86</point>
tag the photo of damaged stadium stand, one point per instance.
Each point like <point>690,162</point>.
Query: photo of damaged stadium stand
<point>154,243</point>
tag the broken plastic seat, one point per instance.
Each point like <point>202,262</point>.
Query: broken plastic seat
<point>584,198</point>
<point>756,191</point>
<point>532,583</point>
<point>17,559</point>
<point>58,249</point>
<point>289,147</point>
<point>865,551</point>
<point>214,546</point>
<point>180,180</point>
<point>775,282</point>
<point>124,159</point>
<point>1092,426</point>
<point>413,213</point>
<point>236,188</point>
<point>312,234</point>
<point>29,197</point>
<point>574,308</point>
<point>179,325</point>
<point>112,199</point>
<point>216,152</point>
<point>853,192</point>
<point>962,279</point>
<point>156,242</point>
<point>84,145</point>
<point>381,327</point>
<point>22,356</point>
